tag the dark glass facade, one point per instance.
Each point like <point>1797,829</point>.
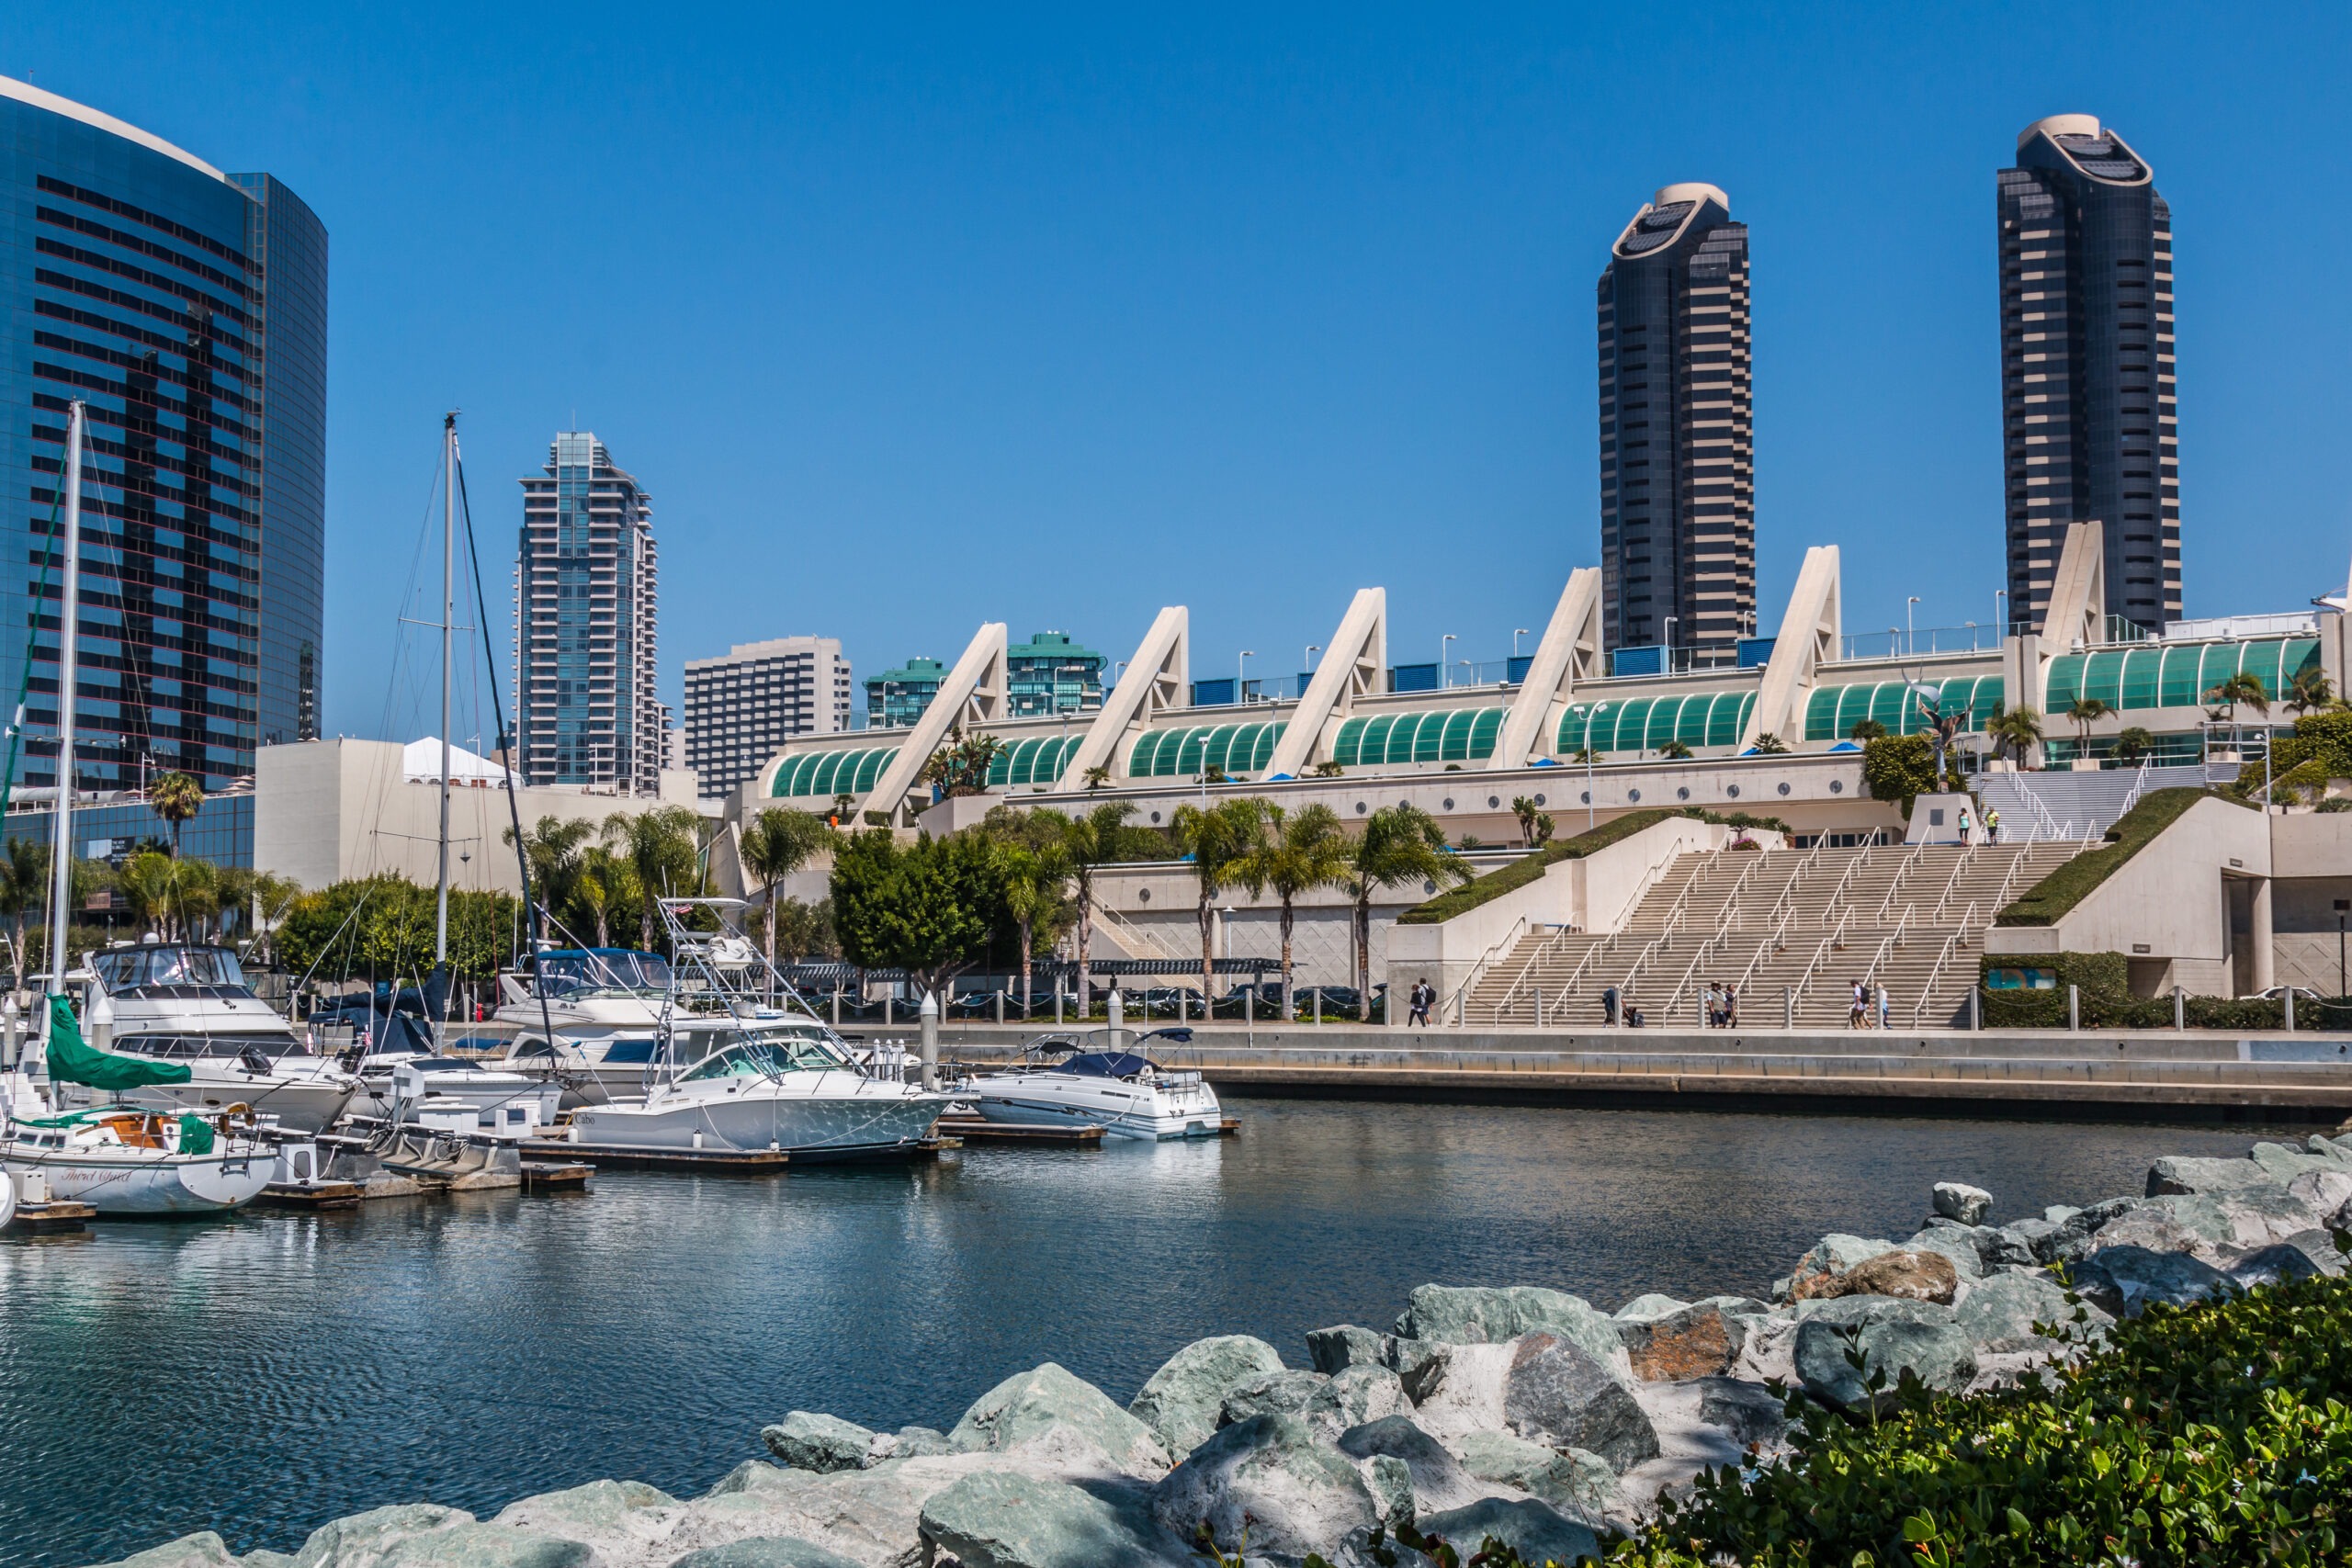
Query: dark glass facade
<point>2089,402</point>
<point>188,308</point>
<point>1050,674</point>
<point>1677,439</point>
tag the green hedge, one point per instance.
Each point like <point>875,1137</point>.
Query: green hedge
<point>2219,1435</point>
<point>1526,869</point>
<point>2049,899</point>
<point>2107,1002</point>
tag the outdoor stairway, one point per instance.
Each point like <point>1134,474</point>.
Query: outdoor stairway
<point>1779,925</point>
<point>2059,803</point>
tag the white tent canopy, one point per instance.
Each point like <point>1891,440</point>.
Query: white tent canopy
<point>421,763</point>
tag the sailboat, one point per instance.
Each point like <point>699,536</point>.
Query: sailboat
<point>119,1158</point>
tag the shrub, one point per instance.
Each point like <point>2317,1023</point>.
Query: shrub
<point>1526,869</point>
<point>2048,900</point>
<point>2218,1433</point>
<point>1899,768</point>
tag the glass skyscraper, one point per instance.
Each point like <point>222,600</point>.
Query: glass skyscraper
<point>188,308</point>
<point>1677,433</point>
<point>2090,424</point>
<point>588,703</point>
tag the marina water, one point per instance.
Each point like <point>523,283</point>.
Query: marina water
<point>260,1374</point>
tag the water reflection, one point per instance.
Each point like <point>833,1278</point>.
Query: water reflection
<point>260,1375</point>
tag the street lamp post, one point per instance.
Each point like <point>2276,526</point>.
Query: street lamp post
<point>1909,647</point>
<point>1668,624</point>
<point>1312,650</point>
<point>1240,675</point>
<point>1516,633</point>
<point>1595,713</point>
<point>1445,653</point>
<point>2001,613</point>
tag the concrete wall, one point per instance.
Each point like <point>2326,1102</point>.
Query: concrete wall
<point>2168,908</point>
<point>327,811</point>
<point>2312,855</point>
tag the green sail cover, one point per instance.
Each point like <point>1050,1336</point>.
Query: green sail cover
<point>71,1061</point>
<point>195,1135</point>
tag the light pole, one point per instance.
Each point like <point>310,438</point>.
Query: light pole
<point>1670,643</point>
<point>1595,713</point>
<point>1444,651</point>
<point>1312,650</point>
<point>1240,674</point>
<point>1909,648</point>
<point>2001,613</point>
<point>1971,637</point>
<point>2341,906</point>
<point>1516,633</point>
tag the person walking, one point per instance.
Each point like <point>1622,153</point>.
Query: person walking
<point>1885,1003</point>
<point>1992,825</point>
<point>1858,1017</point>
<point>1609,999</point>
<point>1731,1006</point>
<point>1965,827</point>
<point>1422,995</point>
<point>1715,1006</point>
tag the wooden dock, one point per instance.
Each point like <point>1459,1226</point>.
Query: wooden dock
<point>974,1130</point>
<point>312,1196</point>
<point>51,1219</point>
<point>611,1157</point>
<point>570,1177</point>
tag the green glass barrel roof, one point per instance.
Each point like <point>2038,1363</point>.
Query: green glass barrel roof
<point>1453,735</point>
<point>2175,674</point>
<point>1831,713</point>
<point>1644,724</point>
<point>1036,760</point>
<point>823,775</point>
<point>1179,753</point>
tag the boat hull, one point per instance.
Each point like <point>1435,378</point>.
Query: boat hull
<point>837,1120</point>
<point>134,1182</point>
<point>1120,1109</point>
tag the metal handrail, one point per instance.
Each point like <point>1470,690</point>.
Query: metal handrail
<point>1529,973</point>
<point>1731,900</point>
<point>1460,997</point>
<point>1918,853</point>
<point>1796,878</point>
<point>1837,893</point>
<point>1560,997</point>
<point>1837,939</point>
<point>1936,973</point>
<point>2139,786</point>
<point>1674,998</point>
<point>1641,960</point>
<point>1775,941</point>
<point>1951,883</point>
<point>1812,966</point>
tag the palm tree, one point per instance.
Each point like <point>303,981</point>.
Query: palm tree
<point>2133,743</point>
<point>145,882</point>
<point>1400,844</point>
<point>1867,730</point>
<point>2247,687</point>
<point>1306,849</point>
<point>1035,880</point>
<point>1769,745</point>
<point>662,849</point>
<point>1330,768</point>
<point>961,768</point>
<point>777,843</point>
<point>1097,777</point>
<point>176,797</point>
<point>606,883</point>
<point>1090,841</point>
<point>23,884</point>
<point>552,851</point>
<point>1535,822</point>
<point>2310,689</point>
<point>2015,729</point>
<point>1219,840</point>
<point>1675,751</point>
<point>2083,712</point>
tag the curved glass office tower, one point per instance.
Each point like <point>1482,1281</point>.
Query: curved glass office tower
<point>188,308</point>
<point>1678,434</point>
<point>2090,406</point>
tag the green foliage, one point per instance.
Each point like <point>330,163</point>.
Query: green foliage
<point>1675,751</point>
<point>2045,902</point>
<point>176,797</point>
<point>1771,745</point>
<point>1867,730</point>
<point>931,907</point>
<point>1899,768</point>
<point>2217,1434</point>
<point>380,927</point>
<point>2104,1000</point>
<point>2015,732</point>
<point>2247,687</point>
<point>2132,742</point>
<point>805,930</point>
<point>1526,869</point>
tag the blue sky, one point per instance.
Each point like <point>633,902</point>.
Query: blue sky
<point>912,319</point>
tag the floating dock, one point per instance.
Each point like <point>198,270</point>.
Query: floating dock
<point>52,1219</point>
<point>614,1157</point>
<point>313,1196</point>
<point>974,1130</point>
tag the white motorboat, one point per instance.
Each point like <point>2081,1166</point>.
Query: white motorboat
<point>729,1074</point>
<point>590,1017</point>
<point>128,1159</point>
<point>500,1099</point>
<point>187,1004</point>
<point>1102,1078</point>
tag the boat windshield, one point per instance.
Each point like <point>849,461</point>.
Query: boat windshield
<point>132,970</point>
<point>605,971</point>
<point>186,1047</point>
<point>766,1056</point>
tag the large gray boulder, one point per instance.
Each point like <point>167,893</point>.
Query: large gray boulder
<point>913,1443</point>
<point>1390,1480</point>
<point>1955,1244</point>
<point>2122,1281</point>
<point>202,1549</point>
<point>1752,1414</point>
<point>2319,1246</point>
<point>1580,1484</point>
<point>1049,1407</point>
<point>1960,1202</point>
<point>1892,1336</point>
<point>765,1552</point>
<point>620,1519</point>
<point>2326,1196</point>
<point>1448,1314</point>
<point>2190,1223</point>
<point>2285,1162</point>
<point>2273,1265</point>
<point>2073,1239</point>
<point>1010,1520</point>
<point>1273,1476</point>
<point>808,1440</point>
<point>1283,1392</point>
<point>1541,1387</point>
<point>2261,1216</point>
<point>424,1535</point>
<point>2184,1173</point>
<point>1354,1396</point>
<point>1181,1401</point>
<point>1832,1255</point>
<point>1999,1312</point>
<point>1439,1479</point>
<point>1537,1532</point>
<point>1333,1350</point>
<point>872,1517</point>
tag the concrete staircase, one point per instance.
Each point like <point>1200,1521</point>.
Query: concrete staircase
<point>2057,804</point>
<point>1786,928</point>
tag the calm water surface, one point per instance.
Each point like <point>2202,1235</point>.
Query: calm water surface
<point>261,1374</point>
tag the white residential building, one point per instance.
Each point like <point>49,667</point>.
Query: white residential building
<point>743,707</point>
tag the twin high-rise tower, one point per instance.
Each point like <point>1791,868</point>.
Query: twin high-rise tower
<point>2089,397</point>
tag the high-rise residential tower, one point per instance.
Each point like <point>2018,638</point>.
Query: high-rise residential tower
<point>588,707</point>
<point>2090,410</point>
<point>745,704</point>
<point>1678,439</point>
<point>188,308</point>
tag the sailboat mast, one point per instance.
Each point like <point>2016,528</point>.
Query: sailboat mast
<point>69,636</point>
<point>448,614</point>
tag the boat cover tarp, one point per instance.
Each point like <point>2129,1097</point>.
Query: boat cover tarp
<point>71,1061</point>
<point>195,1135</point>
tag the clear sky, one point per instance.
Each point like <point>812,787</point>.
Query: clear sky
<point>910,319</point>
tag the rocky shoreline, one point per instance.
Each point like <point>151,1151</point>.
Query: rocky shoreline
<point>1519,1412</point>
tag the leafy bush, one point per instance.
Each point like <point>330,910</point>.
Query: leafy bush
<point>2048,900</point>
<point>2106,1000</point>
<point>2218,1433</point>
<point>1898,768</point>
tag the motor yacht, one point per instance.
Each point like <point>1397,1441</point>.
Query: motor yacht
<point>590,1017</point>
<point>188,1004</point>
<point>1099,1078</point>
